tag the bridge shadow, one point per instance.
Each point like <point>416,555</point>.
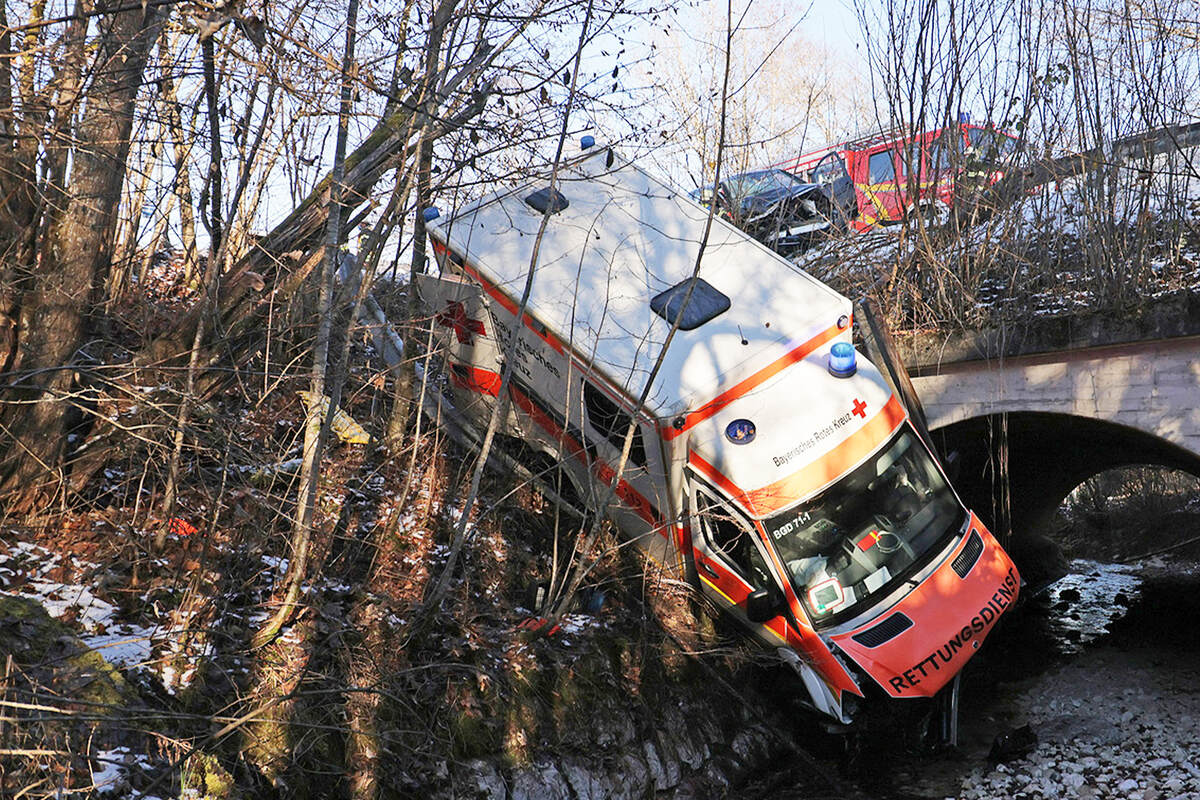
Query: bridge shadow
<point>1016,468</point>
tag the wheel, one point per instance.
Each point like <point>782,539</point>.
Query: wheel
<point>549,473</point>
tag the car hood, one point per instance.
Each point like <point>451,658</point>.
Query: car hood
<point>772,197</point>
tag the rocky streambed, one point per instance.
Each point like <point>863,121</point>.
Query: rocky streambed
<point>1104,669</point>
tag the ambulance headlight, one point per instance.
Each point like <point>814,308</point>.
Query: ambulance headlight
<point>842,360</point>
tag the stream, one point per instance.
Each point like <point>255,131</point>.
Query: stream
<point>1103,666</point>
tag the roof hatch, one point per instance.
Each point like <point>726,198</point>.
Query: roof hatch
<point>547,199</point>
<point>705,304</point>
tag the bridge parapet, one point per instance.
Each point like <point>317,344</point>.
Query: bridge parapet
<point>1138,370</point>
<point>1173,316</point>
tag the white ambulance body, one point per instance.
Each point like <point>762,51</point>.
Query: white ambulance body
<point>777,472</point>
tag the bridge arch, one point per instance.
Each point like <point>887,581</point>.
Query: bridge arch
<point>1016,468</point>
<point>1029,411</point>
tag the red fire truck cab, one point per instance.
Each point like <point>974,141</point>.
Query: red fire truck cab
<point>883,178</point>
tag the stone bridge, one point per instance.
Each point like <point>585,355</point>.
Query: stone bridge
<point>1026,413</point>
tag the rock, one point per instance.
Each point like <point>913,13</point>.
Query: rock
<point>204,778</point>
<point>750,746</point>
<point>542,781</point>
<point>1013,744</point>
<point>658,774</point>
<point>1073,780</point>
<point>629,777</point>
<point>1126,786</point>
<point>482,781</point>
<point>56,658</point>
<point>585,784</point>
<point>694,754</point>
<point>667,774</point>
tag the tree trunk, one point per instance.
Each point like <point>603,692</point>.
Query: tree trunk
<point>212,274</point>
<point>181,148</point>
<point>76,255</point>
<point>316,430</point>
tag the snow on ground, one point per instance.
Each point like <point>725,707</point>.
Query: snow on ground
<point>1038,247</point>
<point>125,646</point>
<point>28,566</point>
<point>110,776</point>
<point>161,648</point>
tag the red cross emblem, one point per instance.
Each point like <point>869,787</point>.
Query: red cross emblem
<point>455,316</point>
<point>860,408</point>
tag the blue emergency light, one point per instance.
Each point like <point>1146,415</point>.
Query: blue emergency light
<point>430,214</point>
<point>587,142</point>
<point>842,361</point>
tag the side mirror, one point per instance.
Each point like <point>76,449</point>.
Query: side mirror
<point>764,604</point>
<point>953,466</point>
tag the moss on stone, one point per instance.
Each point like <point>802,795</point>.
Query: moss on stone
<point>203,778</point>
<point>43,645</point>
<point>474,735</point>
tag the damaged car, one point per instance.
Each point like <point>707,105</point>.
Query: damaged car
<point>775,207</point>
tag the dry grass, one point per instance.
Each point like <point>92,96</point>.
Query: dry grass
<point>1048,253</point>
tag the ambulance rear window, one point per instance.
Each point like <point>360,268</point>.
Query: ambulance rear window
<point>706,303</point>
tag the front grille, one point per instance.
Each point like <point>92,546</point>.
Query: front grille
<point>970,554</point>
<point>889,629</point>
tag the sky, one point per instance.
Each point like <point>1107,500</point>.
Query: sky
<point>834,24</point>
<point>776,101</point>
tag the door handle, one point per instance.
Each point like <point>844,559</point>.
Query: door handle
<point>709,571</point>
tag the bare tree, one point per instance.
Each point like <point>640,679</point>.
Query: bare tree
<point>51,285</point>
<point>787,94</point>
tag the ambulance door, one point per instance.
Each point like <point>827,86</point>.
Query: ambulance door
<point>640,486</point>
<point>465,337</point>
<point>729,559</point>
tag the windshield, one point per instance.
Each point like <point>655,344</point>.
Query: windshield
<point>991,144</point>
<point>831,168</point>
<point>749,184</point>
<point>859,538</point>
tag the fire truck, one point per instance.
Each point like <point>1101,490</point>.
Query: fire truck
<point>769,463</point>
<point>884,177</point>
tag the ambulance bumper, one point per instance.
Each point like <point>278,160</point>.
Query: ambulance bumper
<point>919,645</point>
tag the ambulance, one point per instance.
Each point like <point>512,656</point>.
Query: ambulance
<point>769,463</point>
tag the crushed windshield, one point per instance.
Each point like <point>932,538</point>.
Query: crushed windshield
<point>861,536</point>
<point>749,184</point>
